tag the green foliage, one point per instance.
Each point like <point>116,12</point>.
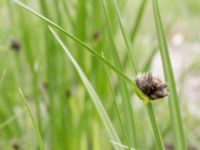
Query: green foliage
<point>76,62</point>
<point>180,141</point>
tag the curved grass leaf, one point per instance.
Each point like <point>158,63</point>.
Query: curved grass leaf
<point>88,48</point>
<point>97,102</point>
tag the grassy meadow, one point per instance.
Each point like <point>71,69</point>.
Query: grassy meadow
<point>75,75</point>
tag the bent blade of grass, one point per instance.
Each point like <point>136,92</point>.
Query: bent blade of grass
<point>92,51</point>
<point>88,48</point>
<point>175,115</point>
<point>36,128</point>
<point>122,145</point>
<point>97,102</point>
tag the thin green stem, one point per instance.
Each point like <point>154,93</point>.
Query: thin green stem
<point>118,111</point>
<point>2,76</point>
<point>97,102</point>
<point>88,48</point>
<point>127,42</point>
<point>127,105</point>
<point>91,50</point>
<point>156,132</point>
<point>175,115</point>
<point>138,19</point>
<point>36,127</point>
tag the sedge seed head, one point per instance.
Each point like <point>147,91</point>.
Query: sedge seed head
<point>15,45</point>
<point>15,145</point>
<point>151,86</point>
<point>96,36</point>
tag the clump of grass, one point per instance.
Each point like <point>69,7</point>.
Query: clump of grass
<point>97,102</point>
<point>35,125</point>
<point>65,116</point>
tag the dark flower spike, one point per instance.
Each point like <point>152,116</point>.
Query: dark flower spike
<point>15,45</point>
<point>15,145</point>
<point>96,36</point>
<point>151,86</point>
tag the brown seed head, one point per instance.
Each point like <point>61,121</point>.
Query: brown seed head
<point>15,45</point>
<point>15,145</point>
<point>151,86</point>
<point>96,36</point>
<point>68,93</point>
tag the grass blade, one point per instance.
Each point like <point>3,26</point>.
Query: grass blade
<point>138,19</point>
<point>3,76</point>
<point>7,122</point>
<point>36,128</point>
<point>117,109</point>
<point>121,145</point>
<point>127,42</point>
<point>127,104</point>
<point>88,48</point>
<point>97,102</point>
<point>156,131</point>
<point>91,50</point>
<point>180,141</point>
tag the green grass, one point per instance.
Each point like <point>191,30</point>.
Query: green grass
<point>77,66</point>
<point>180,140</point>
<point>36,128</point>
<point>156,132</point>
<point>97,102</point>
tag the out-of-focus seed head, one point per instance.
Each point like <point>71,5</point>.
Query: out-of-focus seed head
<point>15,145</point>
<point>68,93</point>
<point>151,86</point>
<point>45,85</point>
<point>96,36</point>
<point>15,45</point>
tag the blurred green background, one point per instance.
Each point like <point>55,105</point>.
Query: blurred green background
<point>31,59</point>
